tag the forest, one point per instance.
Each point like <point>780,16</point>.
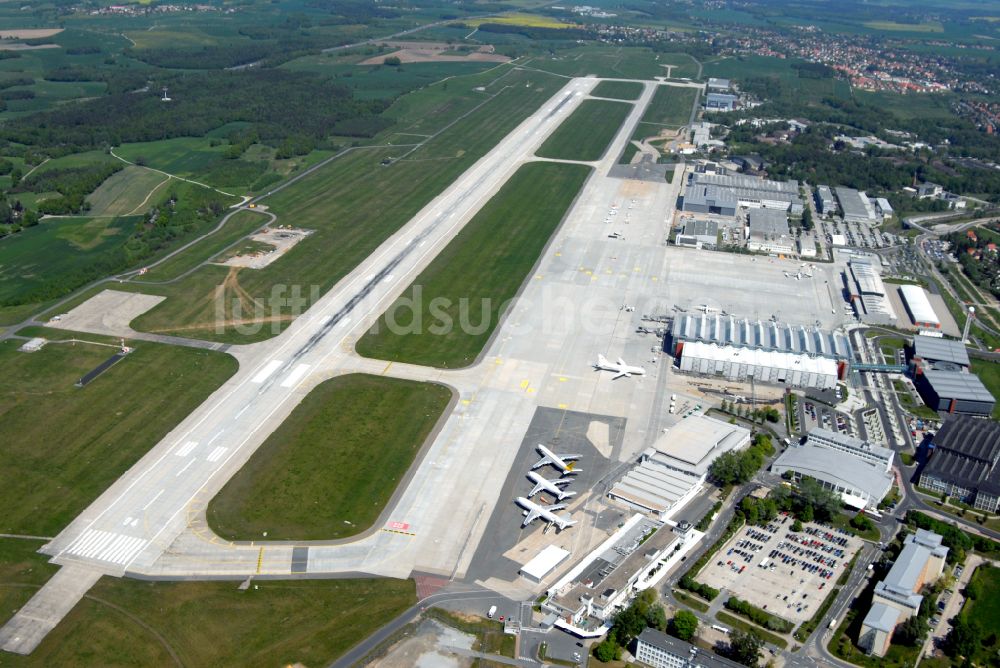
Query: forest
<point>201,102</point>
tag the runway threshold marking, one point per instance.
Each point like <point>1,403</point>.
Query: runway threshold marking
<point>266,372</point>
<point>296,375</point>
<point>216,454</point>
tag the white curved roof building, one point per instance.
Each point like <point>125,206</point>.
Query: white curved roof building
<point>919,306</point>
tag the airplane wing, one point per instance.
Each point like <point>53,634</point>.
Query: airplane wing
<point>542,462</point>
<point>620,374</point>
<point>563,522</point>
<point>536,489</point>
<point>530,517</point>
<point>622,362</point>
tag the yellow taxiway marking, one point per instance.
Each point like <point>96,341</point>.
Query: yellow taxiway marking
<point>466,402</point>
<point>562,379</point>
<point>402,533</point>
<point>260,559</point>
<point>558,254</point>
<point>655,278</point>
<point>525,384</point>
<point>538,277</point>
<point>563,406</point>
<point>386,369</point>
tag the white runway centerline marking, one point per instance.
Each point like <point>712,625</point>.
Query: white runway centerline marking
<point>186,466</point>
<point>268,369</point>
<point>296,375</point>
<point>216,454</point>
<point>151,501</point>
<point>186,449</point>
<point>216,437</point>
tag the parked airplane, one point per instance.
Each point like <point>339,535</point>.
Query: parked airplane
<point>551,486</point>
<point>561,462</point>
<point>705,308</point>
<point>620,368</point>
<point>534,511</point>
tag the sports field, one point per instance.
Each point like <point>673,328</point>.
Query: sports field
<point>63,446</point>
<point>126,192</point>
<point>354,203</point>
<point>618,90</point>
<point>586,133</point>
<point>125,622</point>
<point>459,299</point>
<point>329,469</point>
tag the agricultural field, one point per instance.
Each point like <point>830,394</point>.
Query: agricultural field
<point>618,90</point>
<point>339,202</point>
<point>478,272</point>
<point>350,443</point>
<point>130,622</point>
<point>125,193</point>
<point>521,19</point>
<point>587,132</point>
<point>65,445</point>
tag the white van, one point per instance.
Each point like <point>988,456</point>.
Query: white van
<point>492,612</point>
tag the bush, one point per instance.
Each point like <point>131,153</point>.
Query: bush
<point>703,590</point>
<point>607,650</point>
<point>683,625</point>
<point>758,616</point>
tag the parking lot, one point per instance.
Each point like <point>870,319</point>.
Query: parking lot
<point>812,415</point>
<point>786,573</point>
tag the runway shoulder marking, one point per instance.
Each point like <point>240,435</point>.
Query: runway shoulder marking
<point>266,372</point>
<point>115,548</point>
<point>296,375</point>
<point>186,449</point>
<point>216,454</point>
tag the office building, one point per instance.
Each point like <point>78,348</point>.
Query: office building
<point>657,649</point>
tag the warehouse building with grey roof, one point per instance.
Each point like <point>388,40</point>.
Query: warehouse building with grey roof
<point>963,462</point>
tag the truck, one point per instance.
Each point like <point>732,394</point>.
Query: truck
<point>492,612</point>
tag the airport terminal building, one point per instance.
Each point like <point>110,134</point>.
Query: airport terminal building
<point>856,470</point>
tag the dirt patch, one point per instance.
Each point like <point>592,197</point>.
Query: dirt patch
<point>29,33</point>
<point>19,46</point>
<point>435,52</point>
<point>266,246</point>
<point>431,646</point>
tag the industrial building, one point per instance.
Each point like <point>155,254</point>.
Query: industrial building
<point>770,352</point>
<point>963,462</point>
<point>727,330</point>
<point>825,201</point>
<point>657,649</point>
<point>883,208</point>
<point>725,192</point>
<point>671,472</point>
<point>940,370</point>
<point>544,563</point>
<point>868,293</point>
<point>768,232</point>
<point>856,206</point>
<point>856,470</point>
<point>698,234</point>
<point>718,85</point>
<point>720,102</point>
<point>898,597</point>
<point>742,364</point>
<point>701,198</point>
<point>919,307</point>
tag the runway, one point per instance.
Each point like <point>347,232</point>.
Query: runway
<point>150,522</point>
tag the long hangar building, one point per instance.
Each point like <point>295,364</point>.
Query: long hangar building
<point>769,352</point>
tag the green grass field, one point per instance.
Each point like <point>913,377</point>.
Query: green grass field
<point>463,291</point>
<point>354,203</point>
<point>63,445</point>
<point>619,90</point>
<point>989,373</point>
<point>56,250</point>
<point>671,105</point>
<point>329,469</point>
<point>124,622</point>
<point>126,192</point>
<point>614,62</point>
<point>586,133</point>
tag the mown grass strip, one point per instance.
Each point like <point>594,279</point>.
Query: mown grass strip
<point>447,315</point>
<point>586,133</point>
<point>330,468</point>
<point>618,90</point>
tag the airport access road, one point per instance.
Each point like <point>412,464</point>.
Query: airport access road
<point>129,526</point>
